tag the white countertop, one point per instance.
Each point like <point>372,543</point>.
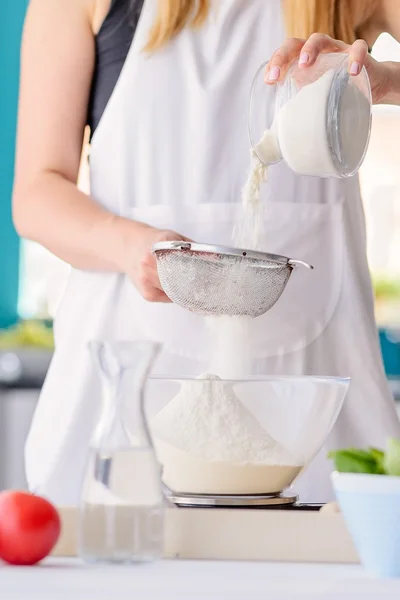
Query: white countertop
<point>174,580</point>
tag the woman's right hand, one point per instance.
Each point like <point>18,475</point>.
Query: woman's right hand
<point>140,263</point>
<point>384,77</point>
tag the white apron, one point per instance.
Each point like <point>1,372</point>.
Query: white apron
<point>172,150</point>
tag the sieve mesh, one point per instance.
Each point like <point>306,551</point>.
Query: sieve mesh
<point>221,284</point>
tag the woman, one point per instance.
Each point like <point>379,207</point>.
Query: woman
<point>170,153</point>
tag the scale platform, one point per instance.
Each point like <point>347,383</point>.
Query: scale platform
<point>270,501</point>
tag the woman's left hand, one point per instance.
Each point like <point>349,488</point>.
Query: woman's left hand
<point>307,51</point>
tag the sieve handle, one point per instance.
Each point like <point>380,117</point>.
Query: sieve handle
<point>295,263</point>
<point>180,245</point>
<point>176,245</point>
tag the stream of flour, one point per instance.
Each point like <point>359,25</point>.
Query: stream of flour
<point>231,348</point>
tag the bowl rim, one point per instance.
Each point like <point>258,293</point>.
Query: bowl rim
<point>365,483</point>
<point>257,379</point>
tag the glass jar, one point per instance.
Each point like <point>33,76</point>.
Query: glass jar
<point>317,119</point>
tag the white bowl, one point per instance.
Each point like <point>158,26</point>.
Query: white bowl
<point>371,508</point>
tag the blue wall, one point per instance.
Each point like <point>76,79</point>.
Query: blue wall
<point>12,15</point>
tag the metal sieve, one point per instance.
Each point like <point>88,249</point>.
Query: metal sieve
<point>218,280</point>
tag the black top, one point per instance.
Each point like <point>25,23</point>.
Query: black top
<point>112,46</point>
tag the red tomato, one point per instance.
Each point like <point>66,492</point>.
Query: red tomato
<point>29,528</point>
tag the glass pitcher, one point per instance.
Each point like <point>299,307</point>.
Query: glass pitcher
<point>121,512</point>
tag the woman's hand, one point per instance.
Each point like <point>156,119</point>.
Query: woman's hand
<point>140,263</point>
<point>382,76</point>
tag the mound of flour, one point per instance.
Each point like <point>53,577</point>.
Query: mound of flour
<point>208,421</point>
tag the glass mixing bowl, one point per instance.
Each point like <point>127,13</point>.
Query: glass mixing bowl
<point>239,437</point>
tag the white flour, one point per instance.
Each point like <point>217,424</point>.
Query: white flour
<point>301,125</point>
<point>208,442</point>
<point>231,346</point>
<point>207,420</point>
<point>230,336</point>
<point>248,229</point>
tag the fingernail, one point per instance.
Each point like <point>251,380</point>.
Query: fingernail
<point>355,68</point>
<point>304,58</point>
<point>274,74</point>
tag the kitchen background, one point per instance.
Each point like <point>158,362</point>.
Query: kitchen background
<point>32,280</point>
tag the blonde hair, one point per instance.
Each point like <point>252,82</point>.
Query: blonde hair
<point>173,16</point>
<point>341,19</point>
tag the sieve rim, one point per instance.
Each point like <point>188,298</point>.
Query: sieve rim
<point>228,251</point>
<point>224,250</point>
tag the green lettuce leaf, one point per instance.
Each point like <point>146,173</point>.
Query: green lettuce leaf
<point>358,461</point>
<point>392,457</point>
<point>379,457</point>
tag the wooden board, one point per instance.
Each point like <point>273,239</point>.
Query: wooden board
<point>230,534</point>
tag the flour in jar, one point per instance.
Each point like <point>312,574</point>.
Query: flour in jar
<point>313,145</point>
<point>321,131</point>
<point>209,442</point>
